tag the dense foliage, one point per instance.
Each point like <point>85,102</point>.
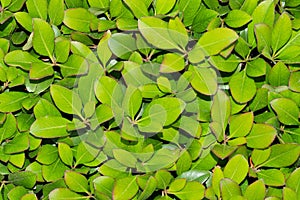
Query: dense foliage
<point>149,99</point>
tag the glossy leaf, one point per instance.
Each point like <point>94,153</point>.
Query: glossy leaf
<point>287,111</point>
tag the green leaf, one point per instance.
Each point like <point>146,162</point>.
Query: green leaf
<point>229,189</point>
<point>223,151</point>
<point>259,156</point>
<point>43,38</point>
<point>256,190</point>
<point>282,155</point>
<point>44,108</point>
<point>225,64</point>
<point>163,7</point>
<point>220,109</point>
<point>56,11</point>
<point>178,32</point>
<point>24,19</point>
<point>37,8</point>
<point>279,75</point>
<point>282,32</point>
<point>138,8</point>
<point>293,181</point>
<point>242,88</point>
<point>79,19</point>
<point>122,45</point>
<point>294,83</point>
<point>103,51</point>
<point>66,100</point>
<point>240,125</point>
<point>21,59</point>
<point>104,184</point>
<point>65,153</point>
<point>76,181</point>
<point>177,185</point>
<point>85,153</point>
<point>75,65</point>
<point>125,188</point>
<point>272,177</point>
<point>192,190</point>
<point>189,9</point>
<point>172,63</point>
<point>103,4</point>
<point>237,18</point>
<point>195,175</point>
<point>261,136</point>
<point>132,101</point>
<point>12,101</point>
<point>24,178</point>
<point>160,112</point>
<point>18,144</point>
<point>125,157</point>
<point>49,127</point>
<point>47,154</point>
<point>150,187</point>
<point>156,32</point>
<point>17,192</point>
<point>216,40</point>
<point>204,80</point>
<point>234,173</point>
<point>263,35</point>
<point>40,70</point>
<point>8,128</point>
<point>287,111</point>
<point>64,194</point>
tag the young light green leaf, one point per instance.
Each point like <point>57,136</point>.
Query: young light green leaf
<point>138,8</point>
<point>76,181</point>
<point>192,190</point>
<point>122,45</point>
<point>125,158</point>
<point>263,35</point>
<point>65,153</point>
<point>279,75</point>
<point>271,177</point>
<point>24,178</point>
<point>66,100</point>
<point>172,63</point>
<point>204,80</point>
<point>64,193</point>
<point>160,112</point>
<point>75,65</point>
<point>216,40</point>
<point>40,70</point>
<point>178,32</point>
<point>282,32</point>
<point>256,190</point>
<point>43,38</point>
<point>125,188</point>
<point>79,19</point>
<point>163,7</point>
<point>103,51</point>
<point>156,32</point>
<point>56,11</point>
<point>242,88</point>
<point>294,83</point>
<point>12,101</point>
<point>21,59</point>
<point>287,111</point>
<point>282,155</point>
<point>240,125</point>
<point>261,136</point>
<point>24,19</point>
<point>132,101</point>
<point>237,18</point>
<point>293,181</point>
<point>229,188</point>
<point>37,8</point>
<point>234,173</point>
<point>49,127</point>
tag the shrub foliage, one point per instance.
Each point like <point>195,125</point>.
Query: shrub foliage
<point>149,99</point>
